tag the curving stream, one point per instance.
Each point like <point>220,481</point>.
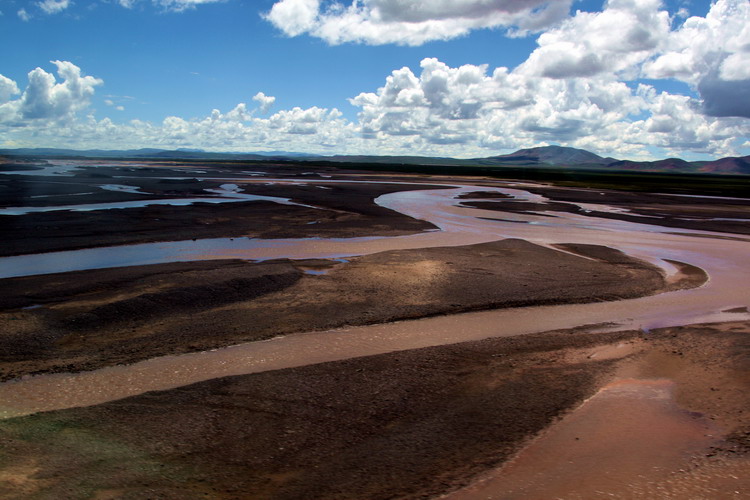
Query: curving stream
<point>725,260</point>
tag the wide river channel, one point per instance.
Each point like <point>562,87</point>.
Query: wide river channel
<point>726,259</point>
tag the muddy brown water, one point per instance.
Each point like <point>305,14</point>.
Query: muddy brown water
<point>725,261</point>
<point>624,442</point>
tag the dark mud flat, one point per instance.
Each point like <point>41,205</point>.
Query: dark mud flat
<point>10,167</point>
<point>661,209</point>
<point>344,211</point>
<point>681,216</point>
<point>89,319</point>
<point>522,207</point>
<point>412,424</point>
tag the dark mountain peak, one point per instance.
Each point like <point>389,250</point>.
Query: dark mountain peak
<point>665,165</point>
<point>552,155</point>
<point>553,149</point>
<point>729,165</point>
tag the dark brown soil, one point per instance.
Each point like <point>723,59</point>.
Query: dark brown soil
<point>412,424</point>
<point>344,211</point>
<point>85,320</point>
<point>522,207</point>
<point>10,167</point>
<point>661,209</point>
<point>484,195</point>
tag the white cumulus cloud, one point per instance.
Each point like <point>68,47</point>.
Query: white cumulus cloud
<point>53,6</point>
<point>264,101</point>
<point>465,111</point>
<point>294,17</point>
<point>182,5</point>
<point>169,5</point>
<point>712,54</point>
<point>702,44</point>
<point>8,88</point>
<point>465,105</point>
<point>46,99</point>
<point>470,108</point>
<point>615,40</point>
<point>407,22</point>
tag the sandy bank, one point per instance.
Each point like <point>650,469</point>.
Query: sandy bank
<point>86,320</point>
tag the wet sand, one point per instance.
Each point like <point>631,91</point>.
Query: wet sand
<point>412,424</point>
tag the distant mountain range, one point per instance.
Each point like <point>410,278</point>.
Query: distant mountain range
<point>540,157</point>
<point>182,153</point>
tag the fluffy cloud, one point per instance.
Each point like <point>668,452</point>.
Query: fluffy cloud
<point>711,53</point>
<point>462,104</point>
<point>264,101</point>
<point>181,5</point>
<point>633,38</point>
<point>51,113</point>
<point>676,124</point>
<point>736,66</point>
<point>46,99</point>
<point>627,40</point>
<point>615,40</point>
<point>721,40</point>
<point>406,22</point>
<point>8,108</point>
<point>443,110</point>
<point>8,88</point>
<point>169,5</point>
<point>294,17</point>
<point>56,6</point>
<point>53,6</point>
<point>471,109</point>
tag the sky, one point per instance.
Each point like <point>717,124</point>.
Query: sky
<point>636,79</point>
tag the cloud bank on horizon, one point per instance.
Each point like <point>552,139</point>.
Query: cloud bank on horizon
<point>582,86</point>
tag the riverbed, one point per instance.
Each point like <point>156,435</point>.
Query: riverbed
<point>723,257</point>
<point>335,359</point>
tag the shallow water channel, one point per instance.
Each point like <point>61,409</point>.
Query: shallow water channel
<point>725,260</point>
<point>592,454</point>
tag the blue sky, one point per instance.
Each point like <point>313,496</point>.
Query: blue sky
<point>628,78</point>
